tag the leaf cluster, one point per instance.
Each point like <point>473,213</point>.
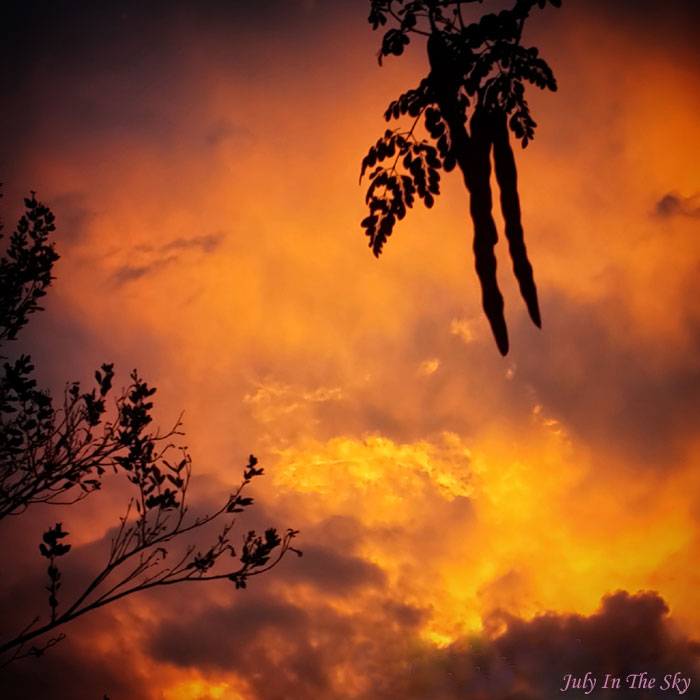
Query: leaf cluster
<point>481,64</point>
<point>50,455</point>
<point>25,268</point>
<point>413,172</point>
<point>51,548</point>
<point>485,57</point>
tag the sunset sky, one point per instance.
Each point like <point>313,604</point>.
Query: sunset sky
<point>473,526</point>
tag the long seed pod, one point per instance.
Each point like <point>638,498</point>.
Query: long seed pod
<point>472,154</point>
<point>477,178</point>
<point>507,178</point>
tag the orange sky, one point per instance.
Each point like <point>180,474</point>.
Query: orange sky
<point>208,222</point>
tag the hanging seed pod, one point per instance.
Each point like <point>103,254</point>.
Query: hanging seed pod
<point>506,176</point>
<point>477,179</point>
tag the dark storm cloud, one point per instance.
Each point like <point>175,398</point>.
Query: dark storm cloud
<point>129,273</point>
<point>609,392</point>
<point>437,399</point>
<point>287,651</point>
<point>335,572</point>
<point>74,670</point>
<point>213,639</point>
<point>243,639</point>
<point>530,659</point>
<point>205,244</point>
<point>674,204</point>
<point>75,667</point>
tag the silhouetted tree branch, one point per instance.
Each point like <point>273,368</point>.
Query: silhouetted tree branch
<point>472,95</point>
<point>59,456</point>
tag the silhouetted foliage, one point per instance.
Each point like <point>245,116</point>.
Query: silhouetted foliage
<point>473,94</point>
<point>59,456</point>
<point>25,269</point>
